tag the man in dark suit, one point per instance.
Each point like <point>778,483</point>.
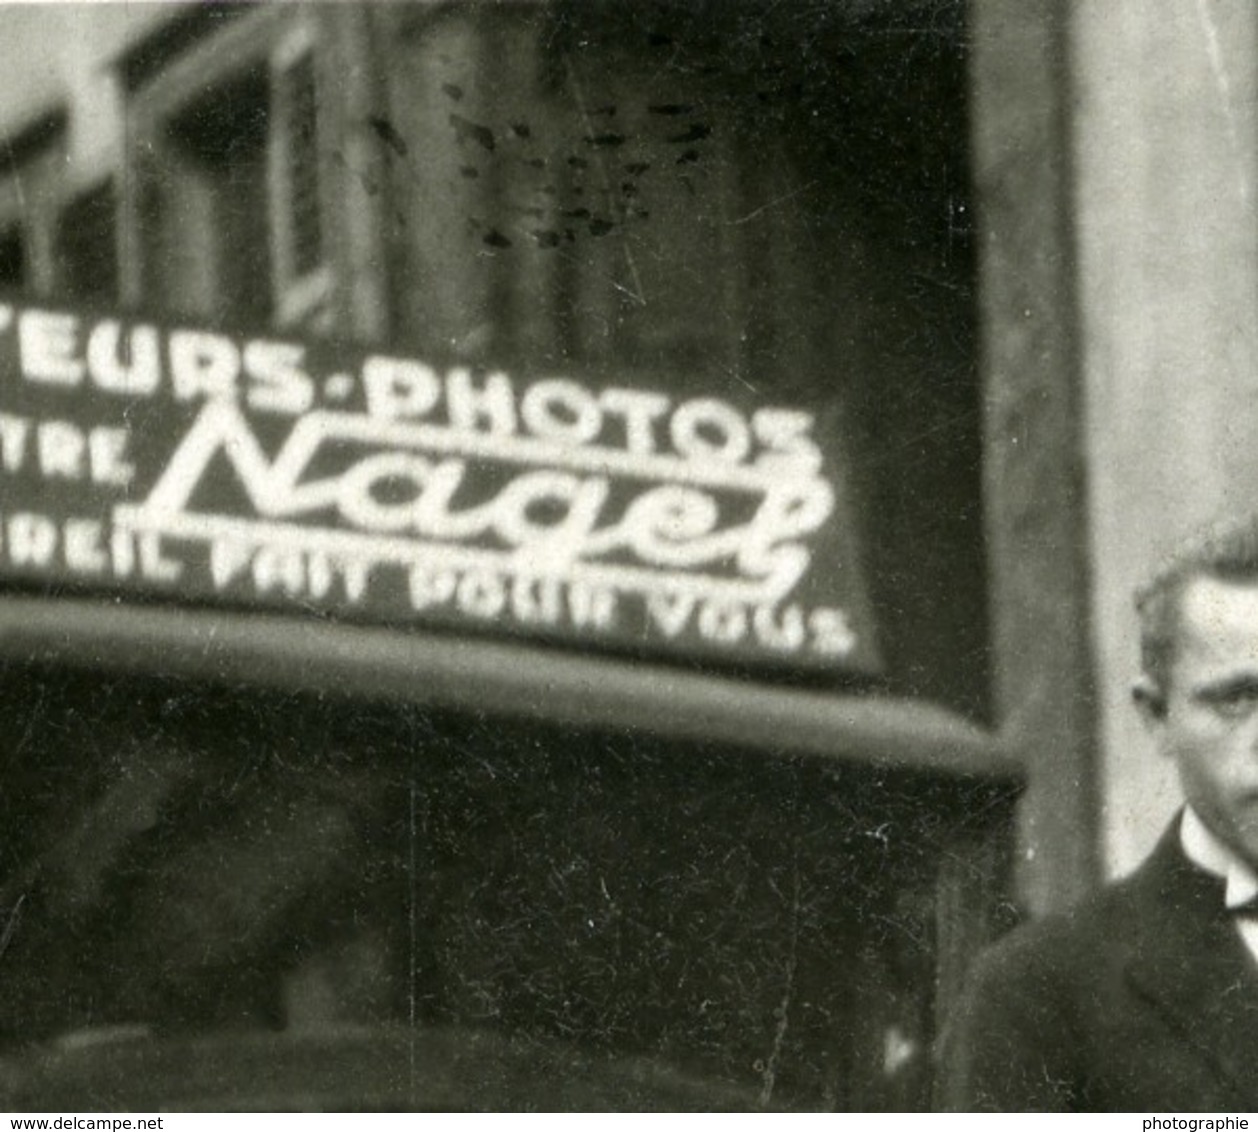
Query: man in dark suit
<point>1145,997</point>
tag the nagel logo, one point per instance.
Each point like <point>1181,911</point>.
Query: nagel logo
<point>414,493</point>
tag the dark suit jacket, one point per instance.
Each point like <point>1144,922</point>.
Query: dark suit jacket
<point>1143,998</point>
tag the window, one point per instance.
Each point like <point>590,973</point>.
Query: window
<point>12,256</point>
<point>56,238</point>
<point>31,168</point>
<point>228,216</point>
<point>85,245</point>
<point>556,204</point>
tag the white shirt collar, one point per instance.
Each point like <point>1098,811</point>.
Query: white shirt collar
<point>1206,851</point>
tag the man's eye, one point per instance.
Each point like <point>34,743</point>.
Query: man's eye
<point>1236,703</point>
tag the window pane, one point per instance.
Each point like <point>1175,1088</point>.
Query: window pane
<point>86,250</point>
<point>297,138</point>
<point>205,224</point>
<point>12,256</point>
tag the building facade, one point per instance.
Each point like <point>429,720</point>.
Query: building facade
<point>593,537</point>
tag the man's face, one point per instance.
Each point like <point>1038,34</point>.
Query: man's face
<point>1210,723</point>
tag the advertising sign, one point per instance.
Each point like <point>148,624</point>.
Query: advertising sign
<point>324,479</point>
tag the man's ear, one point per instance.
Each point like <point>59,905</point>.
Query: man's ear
<point>1150,701</point>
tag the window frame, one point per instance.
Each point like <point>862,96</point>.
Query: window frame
<point>301,297</point>
<point>267,37</point>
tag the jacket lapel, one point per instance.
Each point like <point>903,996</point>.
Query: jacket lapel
<point>1193,968</point>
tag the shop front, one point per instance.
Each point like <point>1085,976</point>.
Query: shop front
<point>498,604</point>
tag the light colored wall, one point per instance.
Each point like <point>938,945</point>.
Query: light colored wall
<point>1165,136</point>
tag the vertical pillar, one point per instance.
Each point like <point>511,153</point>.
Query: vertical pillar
<point>1034,470</point>
<point>359,173</point>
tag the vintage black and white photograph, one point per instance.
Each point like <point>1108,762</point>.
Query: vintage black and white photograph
<point>629,555</point>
